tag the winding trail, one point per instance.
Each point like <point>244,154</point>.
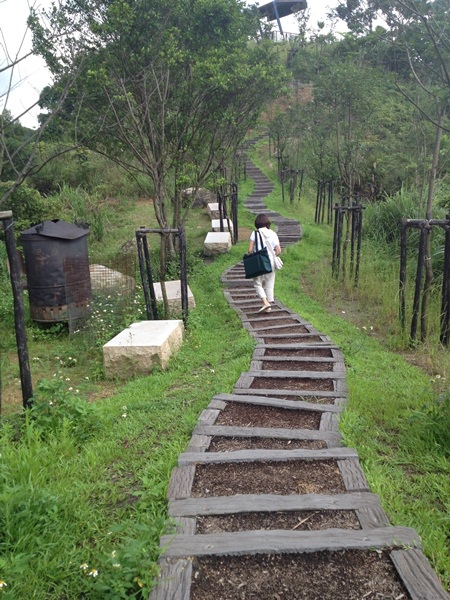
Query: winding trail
<point>272,450</point>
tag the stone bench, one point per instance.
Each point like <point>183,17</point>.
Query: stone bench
<point>173,291</point>
<point>141,347</point>
<point>215,225</point>
<point>213,210</point>
<point>217,242</point>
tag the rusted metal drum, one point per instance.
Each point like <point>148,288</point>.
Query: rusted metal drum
<point>57,269</point>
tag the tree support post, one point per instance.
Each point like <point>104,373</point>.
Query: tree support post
<point>402,283</point>
<point>19,312</point>
<point>419,277</point>
<point>146,275</point>
<point>146,272</point>
<point>444,337</point>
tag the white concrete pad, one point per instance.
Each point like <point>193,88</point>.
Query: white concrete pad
<point>173,291</point>
<point>215,225</point>
<point>213,210</point>
<point>217,242</point>
<point>141,347</point>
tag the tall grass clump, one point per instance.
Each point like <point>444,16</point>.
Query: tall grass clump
<point>81,207</point>
<point>381,220</point>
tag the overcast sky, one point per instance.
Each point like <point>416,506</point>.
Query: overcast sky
<point>31,75</point>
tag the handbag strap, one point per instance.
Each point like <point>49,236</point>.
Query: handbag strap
<point>258,233</point>
<point>268,244</point>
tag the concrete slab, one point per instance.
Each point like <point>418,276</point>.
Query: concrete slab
<point>141,347</point>
<point>215,225</point>
<point>217,242</point>
<point>173,291</point>
<point>213,210</point>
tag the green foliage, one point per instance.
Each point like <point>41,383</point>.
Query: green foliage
<point>57,407</point>
<point>18,141</point>
<point>382,224</point>
<point>382,220</point>
<point>27,205</point>
<point>83,168</point>
<point>171,110</point>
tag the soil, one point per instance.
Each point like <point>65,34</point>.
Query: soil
<point>285,341</point>
<point>237,414</point>
<point>270,477</point>
<point>310,399</point>
<point>287,383</point>
<point>345,575</point>
<point>291,326</point>
<point>230,444</point>
<point>264,315</point>
<point>291,329</point>
<point>292,352</point>
<point>281,365</point>
<point>298,520</point>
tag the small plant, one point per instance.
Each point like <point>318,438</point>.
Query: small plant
<point>55,407</point>
<point>127,571</point>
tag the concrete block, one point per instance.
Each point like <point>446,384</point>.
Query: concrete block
<point>141,347</point>
<point>213,210</point>
<point>217,242</point>
<point>173,291</point>
<point>215,225</point>
<point>110,281</point>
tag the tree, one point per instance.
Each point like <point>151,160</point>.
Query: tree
<point>18,144</point>
<point>358,14</point>
<point>170,88</point>
<point>422,29</point>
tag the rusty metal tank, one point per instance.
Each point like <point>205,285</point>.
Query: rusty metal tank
<point>57,269</point>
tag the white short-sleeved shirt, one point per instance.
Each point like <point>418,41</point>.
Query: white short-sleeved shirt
<point>270,235</point>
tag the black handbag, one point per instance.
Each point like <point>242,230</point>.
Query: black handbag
<point>258,262</point>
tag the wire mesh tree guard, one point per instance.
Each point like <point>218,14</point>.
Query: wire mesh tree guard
<point>145,269</point>
<point>425,227</point>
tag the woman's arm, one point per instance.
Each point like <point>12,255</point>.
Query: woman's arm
<point>251,245</point>
<point>278,249</point>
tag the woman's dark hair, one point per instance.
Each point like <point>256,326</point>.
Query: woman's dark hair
<point>262,221</point>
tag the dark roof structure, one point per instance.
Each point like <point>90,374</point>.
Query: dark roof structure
<point>277,9</point>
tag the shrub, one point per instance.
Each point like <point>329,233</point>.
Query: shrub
<point>27,205</point>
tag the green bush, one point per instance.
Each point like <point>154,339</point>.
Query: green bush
<point>27,205</point>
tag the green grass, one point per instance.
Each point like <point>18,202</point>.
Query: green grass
<point>88,486</point>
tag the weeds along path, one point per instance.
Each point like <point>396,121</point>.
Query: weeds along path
<point>267,502</point>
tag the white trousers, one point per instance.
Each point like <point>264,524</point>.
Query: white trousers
<point>264,286</point>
